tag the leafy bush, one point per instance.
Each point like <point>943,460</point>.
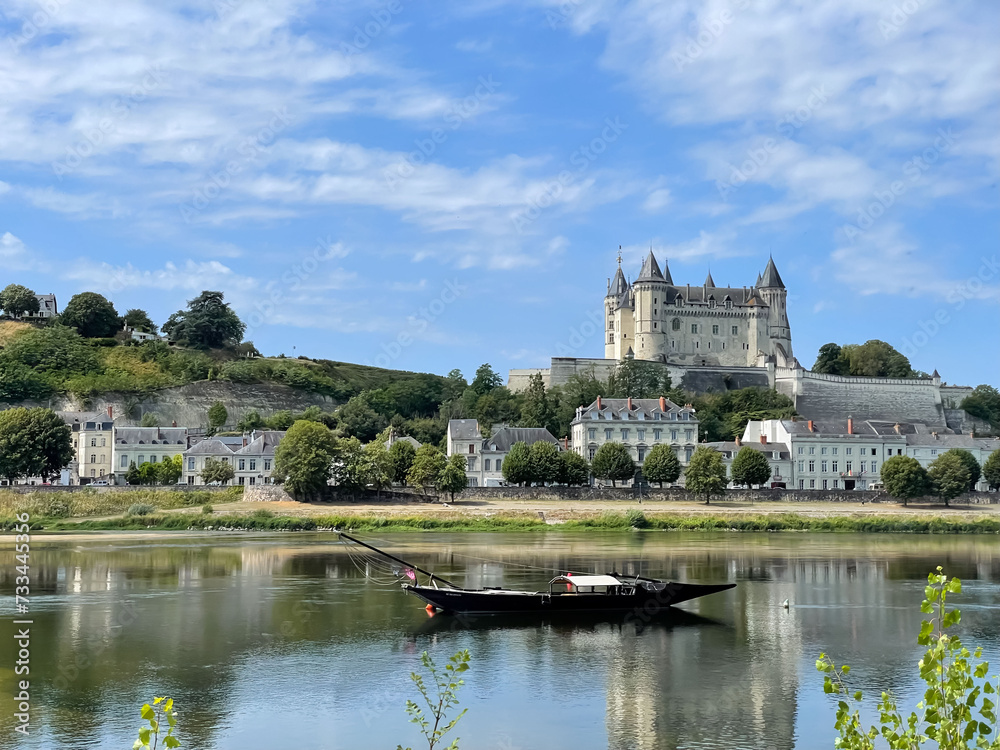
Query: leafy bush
<point>57,509</point>
<point>636,519</point>
<point>207,509</point>
<point>139,509</point>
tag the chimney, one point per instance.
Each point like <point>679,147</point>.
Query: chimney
<point>110,412</point>
<point>244,441</point>
<point>565,443</point>
<point>598,403</point>
<point>663,404</point>
<point>738,441</point>
<point>896,428</point>
<point>763,439</point>
<point>629,403</point>
<point>850,425</point>
<point>174,423</point>
<point>935,435</point>
<point>810,425</point>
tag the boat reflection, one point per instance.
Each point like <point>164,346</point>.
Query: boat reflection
<point>667,619</point>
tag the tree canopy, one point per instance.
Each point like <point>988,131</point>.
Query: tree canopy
<point>303,460</point>
<point>516,467</point>
<point>16,300</point>
<point>428,463</point>
<point>639,379</point>
<point>750,467</point>
<point>33,442</point>
<point>574,469</point>
<point>92,315</point>
<point>970,462</point>
<point>208,323</point>
<point>543,458</point>
<point>831,361</point>
<point>661,465</point>
<point>452,478</point>
<point>139,320</point>
<point>401,457</point>
<point>984,403</point>
<point>215,471</point>
<point>706,473</point>
<point>991,470</point>
<point>949,476</point>
<point>904,478</point>
<point>613,461</point>
<point>873,359</point>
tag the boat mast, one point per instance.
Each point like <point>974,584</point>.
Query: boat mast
<point>399,560</point>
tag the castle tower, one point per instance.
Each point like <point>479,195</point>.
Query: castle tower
<point>650,291</point>
<point>619,294</point>
<point>772,290</point>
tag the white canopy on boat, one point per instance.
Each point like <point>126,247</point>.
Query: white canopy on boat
<point>586,581</point>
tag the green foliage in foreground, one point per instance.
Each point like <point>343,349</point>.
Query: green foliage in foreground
<point>958,710</point>
<point>161,710</point>
<point>440,702</point>
<point>513,522</point>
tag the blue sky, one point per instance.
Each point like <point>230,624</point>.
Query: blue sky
<point>435,185</point>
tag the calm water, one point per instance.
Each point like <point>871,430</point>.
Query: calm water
<point>282,642</point>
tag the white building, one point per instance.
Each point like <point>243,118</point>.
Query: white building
<point>485,457</point>
<point>47,308</point>
<point>637,423</point>
<point>849,455</point>
<point>251,456</point>
<point>777,454</point>
<point>140,445</point>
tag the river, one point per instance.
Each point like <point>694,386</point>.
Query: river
<point>282,641</point>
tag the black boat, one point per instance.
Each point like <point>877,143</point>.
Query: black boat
<point>565,594</point>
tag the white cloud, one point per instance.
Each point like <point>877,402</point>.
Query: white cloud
<point>17,257</point>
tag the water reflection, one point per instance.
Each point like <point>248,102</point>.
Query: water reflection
<point>283,642</point>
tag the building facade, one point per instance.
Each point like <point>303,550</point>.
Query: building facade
<point>93,446</point>
<point>777,454</point>
<point>139,445</point>
<point>636,423</point>
<point>652,318</point>
<point>485,456</point>
<point>849,455</point>
<point>252,457</point>
<point>47,308</point>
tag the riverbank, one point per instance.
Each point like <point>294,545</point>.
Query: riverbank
<point>539,515</point>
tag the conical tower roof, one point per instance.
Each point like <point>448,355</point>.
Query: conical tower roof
<point>666,273</point>
<point>757,285</point>
<point>771,277</point>
<point>650,269</point>
<point>709,281</point>
<point>618,284</point>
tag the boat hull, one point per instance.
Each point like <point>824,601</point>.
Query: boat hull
<point>502,601</point>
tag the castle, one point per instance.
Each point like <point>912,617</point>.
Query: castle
<point>654,319</point>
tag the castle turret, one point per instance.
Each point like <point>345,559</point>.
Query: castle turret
<point>772,290</point>
<point>618,297</point>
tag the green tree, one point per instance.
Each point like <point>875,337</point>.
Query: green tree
<point>486,380</point>
<point>217,471</point>
<point>374,467</point>
<point>452,478</point>
<point>904,478</point>
<point>574,469</point>
<point>831,361</point>
<point>217,417</point>
<point>454,386</point>
<point>661,465</point>
<point>706,473</point>
<point>148,473</point>
<point>957,710</point>
<point>516,467</point>
<point>357,418</point>
<point>349,466</point>
<point>750,467</point>
<point>169,471</point>
<point>984,403</point>
<point>991,470</point>
<point>208,323</point>
<point>92,315</point>
<point>536,406</point>
<point>401,457</point>
<point>428,463</point>
<point>21,383</point>
<point>250,421</point>
<point>303,460</point>
<point>639,379</point>
<point>132,475</point>
<point>33,442</point>
<point>949,476</point>
<point>56,350</point>
<point>149,419</point>
<point>876,359</point>
<point>139,320</point>
<point>613,461</point>
<point>581,389</point>
<point>497,406</point>
<point>975,470</point>
<point>543,458</point>
<point>280,420</point>
<point>16,300</point>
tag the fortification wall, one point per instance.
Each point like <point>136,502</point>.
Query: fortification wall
<point>833,397</point>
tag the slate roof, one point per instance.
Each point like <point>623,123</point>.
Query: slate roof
<point>649,407</point>
<point>771,277</point>
<point>263,444</point>
<point>505,437</point>
<point>651,269</point>
<point>463,429</point>
<point>709,281</point>
<point>618,284</point>
<point>734,448</point>
<point>210,447</point>
<point>151,436</point>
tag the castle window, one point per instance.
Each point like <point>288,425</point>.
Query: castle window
<point>675,324</point>
<point>723,344</point>
<point>697,345</point>
<point>736,330</point>
<point>694,328</point>
<point>654,325</point>
<point>678,300</point>
<point>709,344</point>
<point>654,300</point>
<point>673,344</point>
<point>715,330</point>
